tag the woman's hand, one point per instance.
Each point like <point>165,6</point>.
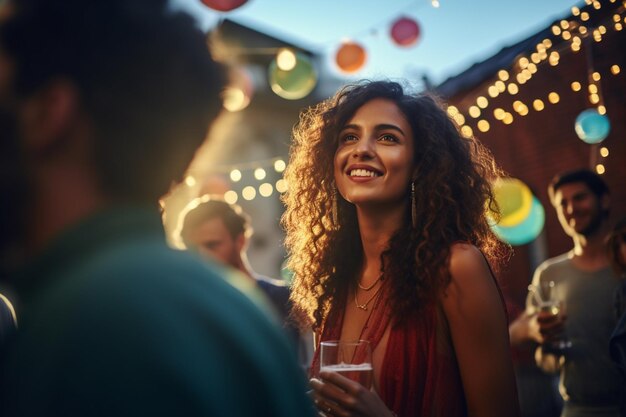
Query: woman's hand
<point>336,395</point>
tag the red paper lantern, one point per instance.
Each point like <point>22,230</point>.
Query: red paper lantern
<point>224,5</point>
<point>350,57</point>
<point>405,31</point>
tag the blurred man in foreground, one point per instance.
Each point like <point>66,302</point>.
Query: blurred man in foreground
<point>103,104</point>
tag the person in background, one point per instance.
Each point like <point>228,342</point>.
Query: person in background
<point>103,105</point>
<point>221,231</point>
<point>387,236</point>
<point>582,282</point>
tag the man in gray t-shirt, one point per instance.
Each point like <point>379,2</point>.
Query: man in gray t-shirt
<point>569,307</point>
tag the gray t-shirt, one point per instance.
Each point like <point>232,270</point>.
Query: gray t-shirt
<point>588,376</point>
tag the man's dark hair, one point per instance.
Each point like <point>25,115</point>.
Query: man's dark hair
<point>144,75</point>
<point>236,221</point>
<point>592,180</point>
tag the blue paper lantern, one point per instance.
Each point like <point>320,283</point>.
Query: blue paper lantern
<point>592,127</point>
<point>526,231</point>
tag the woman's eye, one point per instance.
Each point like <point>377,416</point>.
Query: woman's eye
<point>388,138</point>
<point>349,138</point>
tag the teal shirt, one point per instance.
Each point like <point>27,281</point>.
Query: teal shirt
<point>115,323</point>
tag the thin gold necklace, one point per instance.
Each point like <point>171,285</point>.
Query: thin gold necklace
<point>373,284</point>
<point>364,305</point>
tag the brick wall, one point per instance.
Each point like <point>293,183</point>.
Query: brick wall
<point>536,146</point>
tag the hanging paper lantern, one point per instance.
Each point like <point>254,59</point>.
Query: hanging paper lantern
<point>224,5</point>
<point>292,80</point>
<point>514,199</point>
<point>405,31</point>
<point>350,57</point>
<point>592,127</point>
<point>526,231</point>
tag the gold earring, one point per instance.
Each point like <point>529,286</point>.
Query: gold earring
<point>334,214</point>
<point>413,206</point>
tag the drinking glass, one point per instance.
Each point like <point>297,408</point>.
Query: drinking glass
<point>350,359</point>
<point>547,302</point>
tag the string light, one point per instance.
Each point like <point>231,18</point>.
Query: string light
<point>600,169</point>
<point>266,189</point>
<point>576,86</point>
<point>467,131</point>
<point>474,111</point>
<point>482,102</point>
<point>483,125</point>
<point>190,181</point>
<point>538,105</point>
<point>279,165</point>
<point>604,151</point>
<point>235,175</point>
<point>248,193</point>
<point>452,111</point>
<point>615,69</point>
<point>231,197</point>
<point>281,185</point>
<point>286,59</point>
<point>260,174</point>
<point>553,98</point>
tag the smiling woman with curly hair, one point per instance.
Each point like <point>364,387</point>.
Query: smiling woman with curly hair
<point>389,241</point>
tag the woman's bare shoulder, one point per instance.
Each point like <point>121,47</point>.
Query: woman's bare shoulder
<point>466,260</point>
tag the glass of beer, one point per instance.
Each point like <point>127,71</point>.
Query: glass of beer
<point>549,304</point>
<point>350,359</point>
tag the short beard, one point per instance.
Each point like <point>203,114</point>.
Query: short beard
<point>596,224</point>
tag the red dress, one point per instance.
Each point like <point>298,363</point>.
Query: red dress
<point>419,375</point>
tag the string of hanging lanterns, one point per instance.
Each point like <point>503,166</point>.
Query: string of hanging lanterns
<point>292,75</point>
<point>592,125</point>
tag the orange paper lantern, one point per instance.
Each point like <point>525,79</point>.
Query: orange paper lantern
<point>350,57</point>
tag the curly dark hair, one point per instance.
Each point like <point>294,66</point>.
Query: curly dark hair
<point>453,188</point>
